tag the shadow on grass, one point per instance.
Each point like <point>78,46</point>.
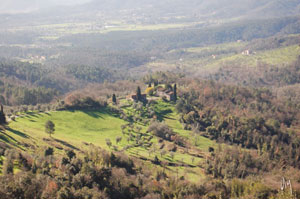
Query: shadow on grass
<point>97,112</point>
<point>4,136</point>
<point>19,133</point>
<point>170,118</point>
<point>93,113</point>
<point>4,140</point>
<point>66,144</point>
<point>162,114</point>
<point>34,115</point>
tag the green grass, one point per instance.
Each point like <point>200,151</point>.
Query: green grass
<point>73,129</point>
<point>93,127</point>
<point>277,57</point>
<point>169,115</point>
<point>133,27</point>
<point>216,49</point>
<point>54,31</point>
<point>200,60</point>
<point>281,56</point>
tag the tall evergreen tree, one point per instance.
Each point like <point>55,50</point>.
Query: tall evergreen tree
<point>175,92</point>
<point>2,116</point>
<point>138,94</point>
<point>114,99</point>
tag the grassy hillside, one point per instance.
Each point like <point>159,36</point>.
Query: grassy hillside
<point>76,127</point>
<point>205,60</point>
<point>183,159</point>
<point>279,56</point>
<point>76,130</point>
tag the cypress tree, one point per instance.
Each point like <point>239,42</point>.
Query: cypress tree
<point>114,99</point>
<point>138,94</point>
<point>175,92</point>
<point>2,116</point>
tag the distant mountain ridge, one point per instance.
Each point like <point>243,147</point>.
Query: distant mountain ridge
<point>154,11</point>
<point>206,9</point>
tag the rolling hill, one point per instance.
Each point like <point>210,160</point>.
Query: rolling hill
<point>78,130</point>
<point>221,118</point>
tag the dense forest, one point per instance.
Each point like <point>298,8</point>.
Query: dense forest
<point>102,175</point>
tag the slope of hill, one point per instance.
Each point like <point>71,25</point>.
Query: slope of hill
<point>256,133</point>
<point>77,130</point>
<point>193,138</point>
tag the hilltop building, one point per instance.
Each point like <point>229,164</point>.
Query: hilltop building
<point>163,93</point>
<point>134,97</point>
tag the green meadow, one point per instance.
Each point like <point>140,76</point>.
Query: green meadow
<point>198,60</point>
<point>76,130</point>
<point>72,126</point>
<point>277,57</point>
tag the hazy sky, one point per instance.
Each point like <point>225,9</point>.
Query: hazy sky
<point>15,6</point>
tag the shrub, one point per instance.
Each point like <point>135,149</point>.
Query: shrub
<point>161,130</point>
<point>49,151</point>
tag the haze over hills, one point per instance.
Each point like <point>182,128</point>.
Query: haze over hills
<point>115,40</point>
<point>20,6</point>
<point>150,99</point>
<point>213,8</point>
<point>167,10</point>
